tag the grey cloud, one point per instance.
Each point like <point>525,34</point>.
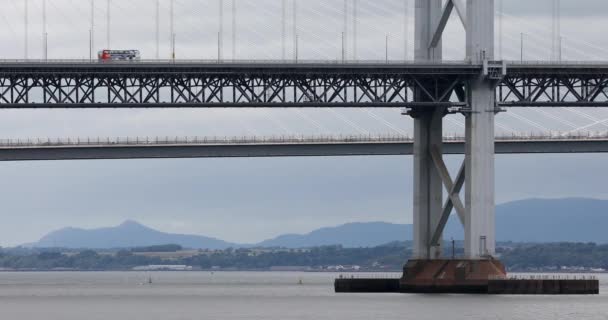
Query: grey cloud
<point>253,199</point>
<point>569,8</point>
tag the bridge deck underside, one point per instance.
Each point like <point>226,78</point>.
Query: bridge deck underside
<point>160,151</point>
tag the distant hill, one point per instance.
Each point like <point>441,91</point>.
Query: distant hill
<point>369,234</point>
<point>554,220</point>
<point>534,220</point>
<point>127,235</point>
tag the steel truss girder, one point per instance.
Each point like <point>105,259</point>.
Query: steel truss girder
<point>360,88</point>
<point>553,91</point>
<point>97,90</point>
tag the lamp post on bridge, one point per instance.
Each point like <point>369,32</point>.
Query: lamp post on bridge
<point>45,35</point>
<point>108,23</point>
<point>297,49</point>
<point>173,47</point>
<point>343,49</point>
<point>92,30</point>
<point>560,52</point>
<point>386,49</point>
<point>26,29</point>
<point>521,47</point>
<point>46,46</point>
<point>219,47</point>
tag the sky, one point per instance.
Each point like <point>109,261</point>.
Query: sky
<point>249,200</point>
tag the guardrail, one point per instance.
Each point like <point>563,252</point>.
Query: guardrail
<point>551,62</point>
<point>303,61</point>
<point>545,277</point>
<point>238,61</point>
<point>370,275</point>
<point>253,140</point>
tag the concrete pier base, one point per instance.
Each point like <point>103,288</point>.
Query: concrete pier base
<point>544,286</point>
<point>465,277</point>
<point>450,276</point>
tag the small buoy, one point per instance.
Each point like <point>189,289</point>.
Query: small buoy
<point>300,282</point>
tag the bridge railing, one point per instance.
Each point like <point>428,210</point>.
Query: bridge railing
<point>557,63</point>
<point>300,61</point>
<point>266,140</point>
<point>176,140</point>
<point>234,61</point>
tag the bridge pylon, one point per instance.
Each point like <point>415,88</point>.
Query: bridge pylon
<point>429,270</point>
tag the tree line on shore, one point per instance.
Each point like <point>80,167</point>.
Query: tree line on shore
<point>517,257</point>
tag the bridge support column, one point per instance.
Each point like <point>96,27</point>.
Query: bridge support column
<point>479,160</point>
<point>427,136</point>
<point>428,271</point>
<point>428,192</point>
<point>479,145</point>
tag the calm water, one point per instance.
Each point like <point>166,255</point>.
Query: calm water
<point>202,295</point>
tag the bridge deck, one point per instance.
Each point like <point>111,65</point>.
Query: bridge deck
<point>289,67</point>
<point>273,147</point>
<point>286,84</point>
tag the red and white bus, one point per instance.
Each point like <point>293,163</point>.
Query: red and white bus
<point>119,55</point>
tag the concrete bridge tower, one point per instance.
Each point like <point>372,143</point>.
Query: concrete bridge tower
<point>428,133</point>
<point>479,155</point>
<point>476,175</point>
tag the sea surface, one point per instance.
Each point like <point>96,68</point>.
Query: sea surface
<point>258,295</point>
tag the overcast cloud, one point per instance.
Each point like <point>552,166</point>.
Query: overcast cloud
<point>254,199</point>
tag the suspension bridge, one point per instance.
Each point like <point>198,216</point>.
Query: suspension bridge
<point>479,85</point>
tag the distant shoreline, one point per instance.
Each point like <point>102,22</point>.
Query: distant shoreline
<point>272,271</point>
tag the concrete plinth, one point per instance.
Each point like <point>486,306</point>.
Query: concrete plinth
<point>450,276</point>
<point>544,286</point>
<point>465,276</point>
<point>496,286</point>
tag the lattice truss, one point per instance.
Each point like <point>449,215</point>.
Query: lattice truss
<point>555,90</point>
<point>223,91</point>
<point>357,87</point>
